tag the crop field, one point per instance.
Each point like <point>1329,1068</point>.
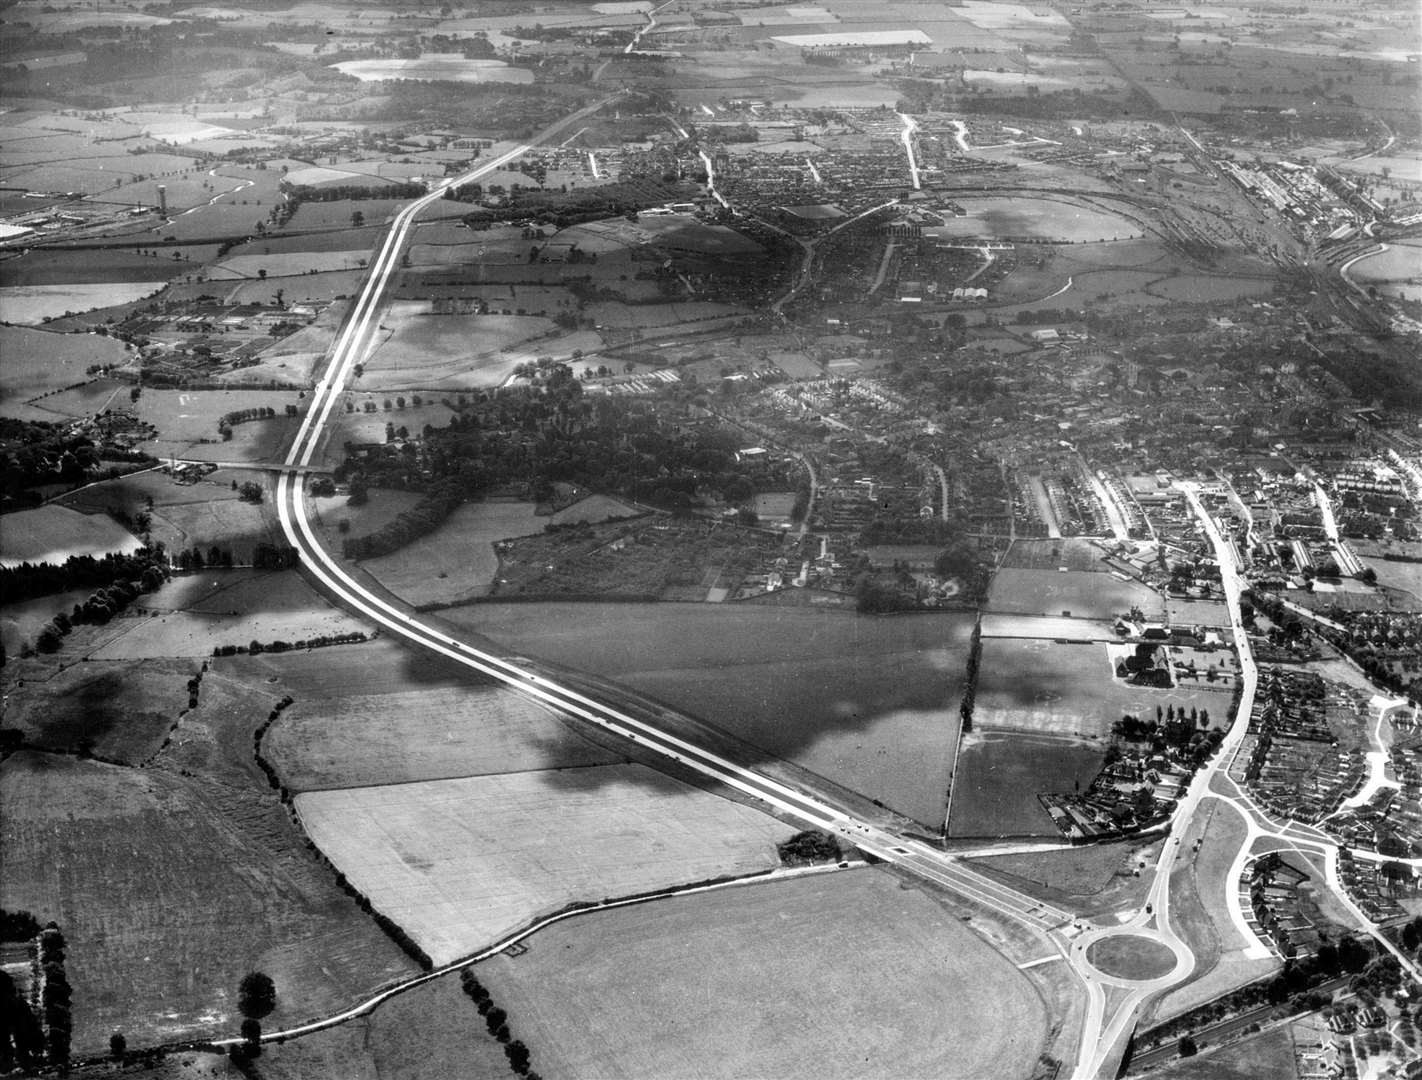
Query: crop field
<point>458,862</point>
<point>37,362</point>
<point>1078,594</point>
<point>869,703</point>
<point>1042,686</point>
<point>169,890</point>
<point>191,615</point>
<point>457,561</point>
<point>752,981</point>
<point>119,711</point>
<point>431,1033</point>
<point>54,533</point>
<point>360,740</point>
<point>1000,775</point>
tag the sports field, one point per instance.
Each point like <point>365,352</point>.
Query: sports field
<point>169,889</point>
<point>360,739</point>
<point>869,703</point>
<point>458,862</point>
<point>1039,218</point>
<point>1000,774</point>
<point>1041,685</point>
<point>845,975</point>
<point>1080,594</point>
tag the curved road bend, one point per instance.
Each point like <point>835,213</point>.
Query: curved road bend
<point>911,855</point>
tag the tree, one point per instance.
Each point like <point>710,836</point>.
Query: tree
<point>1187,1047</point>
<point>118,1046</point>
<point>357,220</point>
<point>250,491</point>
<point>256,995</point>
<point>517,1054</point>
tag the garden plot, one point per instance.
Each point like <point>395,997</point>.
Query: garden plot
<point>457,863</point>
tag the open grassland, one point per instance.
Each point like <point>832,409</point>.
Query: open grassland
<point>869,703</point>
<point>118,711</point>
<point>1268,1055</point>
<point>38,362</point>
<point>193,614</point>
<point>1000,774</point>
<point>369,427</point>
<point>366,739</point>
<point>458,862</point>
<point>53,534</point>
<point>169,890</point>
<point>1084,595</point>
<point>1041,685</point>
<point>843,975</point>
<point>433,1032</point>
<point>457,561</point>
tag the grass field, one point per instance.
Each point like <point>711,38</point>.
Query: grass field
<point>53,534</point>
<point>1131,957</point>
<point>187,423</point>
<point>194,613</point>
<point>1268,1055</point>
<point>1046,219</point>
<point>1000,775</point>
<point>431,1033</point>
<point>1027,684</point>
<point>29,305</point>
<point>848,975</point>
<point>169,890</point>
<point>1084,595</point>
<point>21,623</point>
<point>121,711</point>
<point>457,561</point>
<point>870,703</point>
<point>38,361</point>
<point>365,739</point>
<point>458,862</point>
<point>1075,554</point>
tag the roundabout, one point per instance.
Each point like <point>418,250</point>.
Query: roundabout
<point>1131,957</point>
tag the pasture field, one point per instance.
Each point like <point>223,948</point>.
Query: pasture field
<point>51,534</point>
<point>1181,612</point>
<point>869,703</point>
<point>1075,594</point>
<point>457,561</point>
<point>287,264</point>
<point>753,981</point>
<point>1001,773</point>
<point>195,613</point>
<point>383,507</point>
<point>200,514</point>
<point>431,1033</point>
<point>37,362</point>
<point>1039,685</point>
<point>368,427</point>
<point>169,890</point>
<point>187,421</point>
<point>359,740</point>
<point>337,215</point>
<point>458,862</point>
<point>1268,1055</point>
<point>119,711</point>
<point>21,623</point>
<point>88,268</point>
